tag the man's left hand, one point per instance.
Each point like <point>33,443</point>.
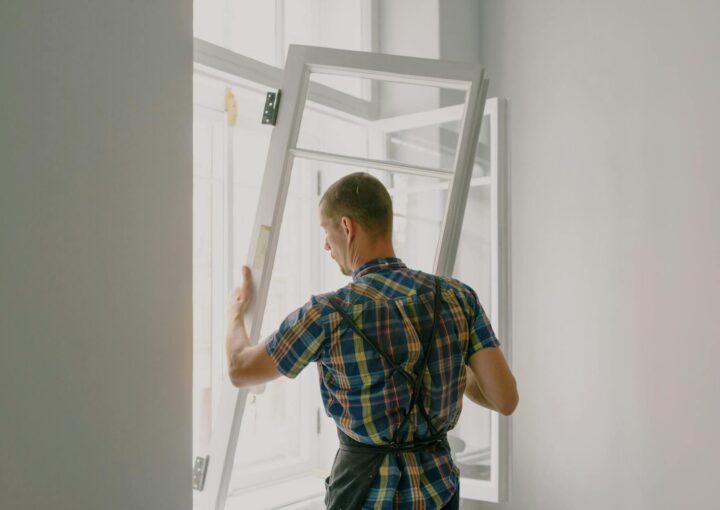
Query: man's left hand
<point>239,302</point>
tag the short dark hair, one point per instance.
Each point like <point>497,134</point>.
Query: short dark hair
<point>363,198</point>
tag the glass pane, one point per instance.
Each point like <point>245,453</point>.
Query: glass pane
<point>484,148</point>
<point>470,441</point>
<point>415,145</point>
<point>419,205</point>
<point>250,146</point>
<point>472,264</point>
<point>423,146</point>
<point>449,135</point>
<point>437,142</point>
<point>327,133</point>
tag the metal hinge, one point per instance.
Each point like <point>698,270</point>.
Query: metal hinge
<point>199,472</point>
<point>317,421</point>
<point>272,104</point>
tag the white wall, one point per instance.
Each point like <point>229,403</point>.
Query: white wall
<point>408,27</point>
<point>616,246</point>
<point>95,255</point>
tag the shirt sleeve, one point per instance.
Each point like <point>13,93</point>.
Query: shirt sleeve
<point>298,341</point>
<point>481,331</point>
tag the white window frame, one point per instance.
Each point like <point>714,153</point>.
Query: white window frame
<point>301,61</point>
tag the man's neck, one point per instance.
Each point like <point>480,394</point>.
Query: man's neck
<point>378,252</point>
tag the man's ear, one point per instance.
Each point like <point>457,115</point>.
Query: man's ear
<point>348,226</point>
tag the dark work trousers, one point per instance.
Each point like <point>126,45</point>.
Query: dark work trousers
<point>454,503</point>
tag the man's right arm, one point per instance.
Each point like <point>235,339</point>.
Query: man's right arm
<point>473,391</point>
<point>490,383</point>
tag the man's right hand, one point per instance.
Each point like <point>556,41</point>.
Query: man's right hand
<point>490,383</point>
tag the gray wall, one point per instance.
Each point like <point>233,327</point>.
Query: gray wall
<point>95,254</point>
<point>616,245</point>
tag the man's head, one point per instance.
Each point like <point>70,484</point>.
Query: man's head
<point>356,214</point>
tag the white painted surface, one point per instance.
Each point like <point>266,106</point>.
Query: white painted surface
<point>95,251</point>
<point>616,243</point>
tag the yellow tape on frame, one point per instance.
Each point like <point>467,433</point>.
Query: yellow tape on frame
<point>261,248</point>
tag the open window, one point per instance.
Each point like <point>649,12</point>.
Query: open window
<point>340,112</point>
<point>480,439</point>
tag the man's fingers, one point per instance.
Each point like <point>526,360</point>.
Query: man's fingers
<point>242,293</point>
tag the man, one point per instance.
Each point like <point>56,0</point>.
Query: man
<point>392,348</point>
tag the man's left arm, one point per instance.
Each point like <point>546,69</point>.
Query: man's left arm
<point>247,364</point>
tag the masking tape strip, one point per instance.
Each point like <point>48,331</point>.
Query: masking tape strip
<point>262,244</point>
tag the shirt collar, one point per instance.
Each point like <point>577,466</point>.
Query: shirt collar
<point>378,264</point>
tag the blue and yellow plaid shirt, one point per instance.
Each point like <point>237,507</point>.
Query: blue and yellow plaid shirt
<point>393,305</point>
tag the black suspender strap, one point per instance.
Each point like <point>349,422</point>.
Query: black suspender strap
<point>423,366</point>
<point>350,322</point>
<point>414,380</point>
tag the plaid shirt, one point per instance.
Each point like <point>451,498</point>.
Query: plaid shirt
<point>393,305</point>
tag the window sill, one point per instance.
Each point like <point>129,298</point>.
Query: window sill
<point>293,493</point>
